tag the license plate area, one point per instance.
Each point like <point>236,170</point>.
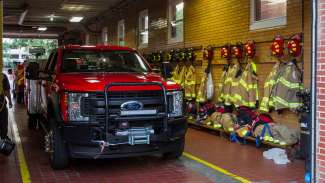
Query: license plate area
<point>137,135</point>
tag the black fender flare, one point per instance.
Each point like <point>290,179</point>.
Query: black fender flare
<point>53,107</point>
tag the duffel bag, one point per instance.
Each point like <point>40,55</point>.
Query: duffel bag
<point>6,146</point>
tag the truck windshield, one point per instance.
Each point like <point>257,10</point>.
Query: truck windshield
<point>102,61</point>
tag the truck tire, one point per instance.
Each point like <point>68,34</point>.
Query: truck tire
<point>59,157</point>
<point>177,151</point>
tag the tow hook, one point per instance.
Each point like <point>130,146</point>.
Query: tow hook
<point>102,145</point>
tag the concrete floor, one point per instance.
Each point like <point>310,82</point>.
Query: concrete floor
<point>219,161</point>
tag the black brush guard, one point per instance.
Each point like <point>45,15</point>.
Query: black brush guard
<point>163,115</point>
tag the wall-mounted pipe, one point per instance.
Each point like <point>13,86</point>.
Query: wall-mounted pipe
<point>1,54</point>
<point>314,140</point>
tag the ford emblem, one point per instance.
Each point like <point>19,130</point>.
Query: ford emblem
<point>131,106</point>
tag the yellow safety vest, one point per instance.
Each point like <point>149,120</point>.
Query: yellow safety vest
<point>189,83</point>
<point>230,84</point>
<point>287,85</point>
<point>246,94</point>
<point>270,81</point>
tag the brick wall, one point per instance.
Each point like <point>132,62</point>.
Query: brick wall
<point>321,94</point>
<point>209,22</point>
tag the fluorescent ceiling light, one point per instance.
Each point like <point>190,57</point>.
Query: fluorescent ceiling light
<point>42,28</point>
<point>76,19</point>
<point>75,7</point>
<point>52,17</point>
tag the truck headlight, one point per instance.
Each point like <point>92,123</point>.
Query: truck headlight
<point>175,103</point>
<point>74,107</point>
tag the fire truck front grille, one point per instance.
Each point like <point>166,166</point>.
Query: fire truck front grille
<point>94,107</point>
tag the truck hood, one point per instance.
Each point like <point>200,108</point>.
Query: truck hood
<point>91,82</point>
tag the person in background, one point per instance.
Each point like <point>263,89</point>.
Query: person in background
<point>3,107</point>
<point>20,83</point>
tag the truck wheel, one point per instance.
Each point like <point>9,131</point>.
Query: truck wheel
<point>177,151</point>
<point>59,155</point>
<point>32,122</point>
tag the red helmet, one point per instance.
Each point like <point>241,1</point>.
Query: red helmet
<point>277,46</point>
<point>295,45</point>
<point>250,49</point>
<point>237,51</point>
<point>225,51</point>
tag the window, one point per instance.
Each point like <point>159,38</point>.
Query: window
<point>105,36</point>
<point>143,28</point>
<point>49,61</point>
<point>53,62</point>
<point>268,13</point>
<point>121,33</point>
<point>102,61</point>
<point>176,19</point>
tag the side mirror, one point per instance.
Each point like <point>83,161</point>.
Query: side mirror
<point>32,71</point>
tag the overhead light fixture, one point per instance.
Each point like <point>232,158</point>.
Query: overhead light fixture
<point>76,19</point>
<point>75,7</point>
<point>52,18</point>
<point>42,28</point>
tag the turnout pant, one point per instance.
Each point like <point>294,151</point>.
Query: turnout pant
<point>4,123</point>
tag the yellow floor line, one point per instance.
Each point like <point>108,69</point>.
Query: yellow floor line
<point>221,170</point>
<point>25,176</point>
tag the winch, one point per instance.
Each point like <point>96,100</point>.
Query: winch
<point>137,135</point>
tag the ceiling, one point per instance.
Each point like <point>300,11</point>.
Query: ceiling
<point>23,17</point>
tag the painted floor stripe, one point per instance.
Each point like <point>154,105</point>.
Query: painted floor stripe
<point>221,170</point>
<point>19,147</point>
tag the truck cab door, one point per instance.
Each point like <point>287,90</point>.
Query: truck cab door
<point>47,78</point>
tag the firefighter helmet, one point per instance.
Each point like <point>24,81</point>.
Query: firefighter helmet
<point>226,51</point>
<point>250,49</point>
<point>237,51</point>
<point>295,45</point>
<point>277,46</point>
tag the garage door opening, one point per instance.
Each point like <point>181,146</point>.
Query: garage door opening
<point>18,50</point>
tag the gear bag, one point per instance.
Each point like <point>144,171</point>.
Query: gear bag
<point>227,121</point>
<point>6,146</point>
<point>261,119</point>
<point>245,116</point>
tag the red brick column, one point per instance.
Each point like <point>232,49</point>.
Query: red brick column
<point>320,118</point>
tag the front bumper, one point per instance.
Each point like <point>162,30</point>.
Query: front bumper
<point>82,141</point>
